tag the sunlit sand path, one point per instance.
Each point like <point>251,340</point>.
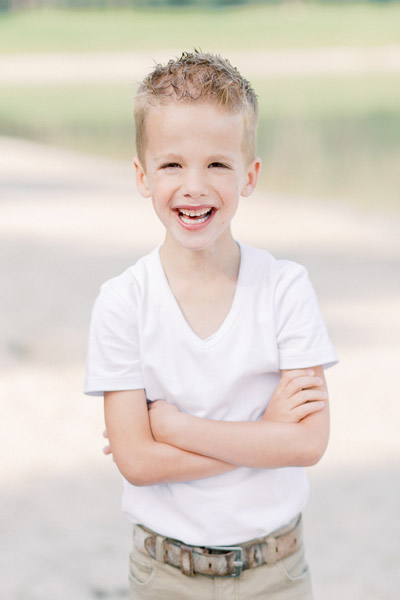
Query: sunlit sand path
<point>70,221</point>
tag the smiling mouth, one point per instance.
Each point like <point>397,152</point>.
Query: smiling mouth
<point>192,216</point>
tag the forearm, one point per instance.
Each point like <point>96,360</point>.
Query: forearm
<point>293,431</point>
<point>261,444</point>
<point>163,463</point>
<point>141,459</point>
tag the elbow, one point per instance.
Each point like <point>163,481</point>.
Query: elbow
<point>309,459</point>
<point>141,465</point>
<point>312,442</point>
<point>139,477</point>
<point>311,453</point>
<point>136,478</point>
<point>138,473</point>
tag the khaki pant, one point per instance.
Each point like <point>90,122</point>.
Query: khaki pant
<point>288,579</point>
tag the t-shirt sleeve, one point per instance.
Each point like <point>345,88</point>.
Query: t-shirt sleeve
<point>113,358</point>
<point>302,337</point>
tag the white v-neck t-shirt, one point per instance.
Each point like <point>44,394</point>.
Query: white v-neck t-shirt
<point>139,338</point>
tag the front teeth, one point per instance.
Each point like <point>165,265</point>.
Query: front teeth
<point>194,213</point>
<point>201,215</point>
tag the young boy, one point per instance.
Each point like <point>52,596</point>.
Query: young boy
<point>210,357</point>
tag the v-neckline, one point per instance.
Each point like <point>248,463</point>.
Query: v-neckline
<point>230,317</point>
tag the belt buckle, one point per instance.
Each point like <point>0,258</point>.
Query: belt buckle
<point>238,562</point>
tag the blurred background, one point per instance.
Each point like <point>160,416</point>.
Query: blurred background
<point>328,78</point>
<point>327,74</point>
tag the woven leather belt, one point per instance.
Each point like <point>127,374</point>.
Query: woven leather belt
<point>221,561</point>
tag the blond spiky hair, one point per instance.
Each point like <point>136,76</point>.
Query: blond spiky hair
<point>198,77</point>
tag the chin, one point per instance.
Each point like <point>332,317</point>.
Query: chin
<point>194,245</point>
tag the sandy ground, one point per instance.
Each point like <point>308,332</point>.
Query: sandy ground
<point>67,223</point>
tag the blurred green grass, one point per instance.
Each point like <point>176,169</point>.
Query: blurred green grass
<point>335,137</point>
<point>329,137</point>
<point>239,28</point>
<point>88,118</point>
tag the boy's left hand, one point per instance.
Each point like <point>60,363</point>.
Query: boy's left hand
<point>300,393</point>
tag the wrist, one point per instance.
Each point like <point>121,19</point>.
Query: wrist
<point>169,430</point>
<point>176,428</point>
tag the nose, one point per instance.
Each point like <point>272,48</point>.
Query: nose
<point>194,184</point>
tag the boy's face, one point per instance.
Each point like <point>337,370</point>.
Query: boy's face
<point>195,171</point>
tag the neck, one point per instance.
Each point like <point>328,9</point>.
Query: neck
<point>197,265</point>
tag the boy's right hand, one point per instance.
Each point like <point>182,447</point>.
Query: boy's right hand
<point>298,394</point>
<point>107,449</point>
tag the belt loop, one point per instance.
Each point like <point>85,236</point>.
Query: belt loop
<point>271,550</point>
<point>160,553</point>
<point>187,560</point>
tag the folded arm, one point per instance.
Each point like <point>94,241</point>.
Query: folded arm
<point>141,459</point>
<point>164,445</point>
<point>277,440</point>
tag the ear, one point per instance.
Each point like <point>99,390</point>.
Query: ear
<point>141,179</point>
<point>253,171</point>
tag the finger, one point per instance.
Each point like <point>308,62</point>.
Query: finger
<point>105,433</point>
<point>287,377</point>
<point>302,383</point>
<point>303,411</point>
<point>294,381</point>
<point>307,396</point>
<point>107,450</point>
<point>290,376</point>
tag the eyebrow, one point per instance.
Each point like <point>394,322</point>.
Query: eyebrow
<point>222,158</point>
<point>163,157</point>
<point>178,157</point>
